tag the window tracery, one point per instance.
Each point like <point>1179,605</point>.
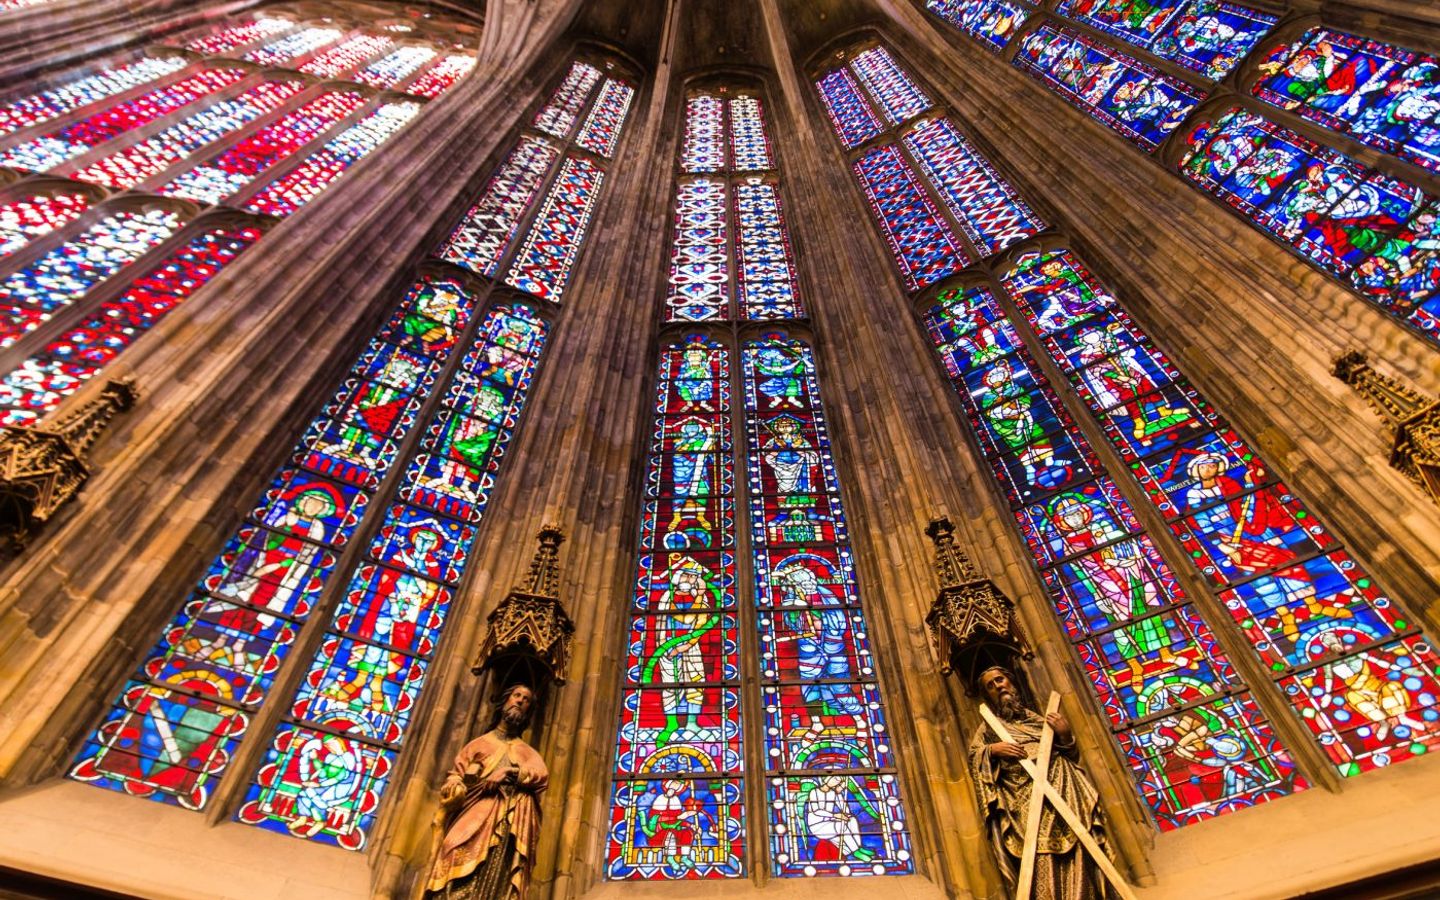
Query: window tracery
<point>400,462</point>
<point>1269,153</point>
<point>1320,628</point>
<point>683,775</point>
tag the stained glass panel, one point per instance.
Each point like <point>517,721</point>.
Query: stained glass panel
<point>293,46</point>
<point>984,204</point>
<point>765,266</point>
<point>440,77</point>
<point>849,110</point>
<point>749,146</point>
<point>924,248</point>
<point>1205,36</point>
<point>704,149</point>
<point>480,240</point>
<point>1128,96</point>
<point>601,130</point>
<point>347,55</point>
<point>992,21</point>
<point>680,828</point>
<point>558,116</point>
<point>36,109</point>
<point>838,824</point>
<point>898,96</point>
<point>395,68</point>
<point>236,36</point>
<point>543,264</point>
<point>1379,94</point>
<point>700,254</point>
<point>25,218</point>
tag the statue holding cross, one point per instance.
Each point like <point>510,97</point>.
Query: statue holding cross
<point>1042,812</point>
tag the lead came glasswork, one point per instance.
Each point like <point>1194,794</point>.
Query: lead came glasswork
<point>542,267</point>
<point>558,116</point>
<point>849,110</point>
<point>898,97</point>
<point>835,806</point>
<point>37,109</point>
<point>924,248</point>
<point>483,236</point>
<point>765,266</point>
<point>1128,96</point>
<point>602,127</point>
<point>704,149</point>
<point>992,21</point>
<point>676,811</point>
<point>227,39</point>
<point>699,254</point>
<point>1154,664</point>
<point>1378,93</point>
<point>1357,672</point>
<point>749,146</point>
<point>24,219</point>
<point>1206,36</point>
<point>353,707</point>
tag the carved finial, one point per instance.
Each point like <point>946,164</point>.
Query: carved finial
<point>543,579</point>
<point>1413,419</point>
<point>951,563</point>
<point>43,468</point>
<point>1392,400</point>
<point>529,631</point>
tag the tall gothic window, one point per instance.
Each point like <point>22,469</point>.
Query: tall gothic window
<point>211,138</point>
<point>1281,151</point>
<point>365,530</point>
<point>808,755</point>
<point>1355,673</point>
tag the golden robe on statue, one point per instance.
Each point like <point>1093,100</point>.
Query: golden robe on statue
<point>490,818</point>
<point>1063,871</point>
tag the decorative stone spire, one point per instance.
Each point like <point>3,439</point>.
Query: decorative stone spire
<point>972,623</point>
<point>530,629</point>
<point>43,468</point>
<point>1413,419</point>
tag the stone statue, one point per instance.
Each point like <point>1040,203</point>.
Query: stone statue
<point>1063,870</point>
<point>488,824</point>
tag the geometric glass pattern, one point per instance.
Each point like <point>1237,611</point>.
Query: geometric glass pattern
<point>728,137</point>
<point>24,112</point>
<point>894,92</point>
<point>992,21</point>
<point>483,236</point>
<point>24,219</point>
<point>1351,663</point>
<point>1197,742</point>
<point>543,263</point>
<point>1131,98</point>
<point>1379,94</point>
<point>558,116</point>
<point>924,247</point>
<point>984,204</point>
<point>848,109</point>
<point>1375,232</point>
<point>676,811</point>
<point>834,799</point>
<point>1205,36</point>
<point>602,127</point>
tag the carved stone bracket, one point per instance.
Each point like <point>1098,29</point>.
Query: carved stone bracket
<point>43,467</point>
<point>972,623</point>
<point>530,629</point>
<point>1413,419</point>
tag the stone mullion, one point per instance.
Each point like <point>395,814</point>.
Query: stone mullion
<point>347,252</point>
<point>1211,275</point>
<point>1295,738</point>
<point>898,444</point>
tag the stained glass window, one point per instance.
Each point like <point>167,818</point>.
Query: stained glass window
<point>715,216</point>
<point>439,78</point>
<point>992,21</point>
<point>835,805</point>
<point>558,116</point>
<point>27,217</point>
<point>1376,232</point>
<point>292,47</point>
<point>676,810</point>
<point>36,109</point>
<point>241,35</point>
<point>347,55</point>
<point>1349,660</point>
<point>485,233</point>
<point>1156,669</point>
<point>395,68</point>
<point>897,95</point>
<point>38,384</point>
<point>849,110</point>
<point>984,204</point>
<point>47,151</point>
<point>1205,36</point>
<point>62,276</point>
<point>924,247</point>
<point>1130,97</point>
<point>602,127</point>
<point>542,266</point>
<point>1380,94</point>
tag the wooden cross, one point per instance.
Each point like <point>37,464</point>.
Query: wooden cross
<point>1039,771</point>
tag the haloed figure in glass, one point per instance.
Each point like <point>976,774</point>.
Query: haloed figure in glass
<point>1063,871</point>
<point>488,826</point>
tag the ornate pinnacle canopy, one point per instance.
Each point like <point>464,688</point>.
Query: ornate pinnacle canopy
<point>43,468</point>
<point>972,623</point>
<point>1413,419</point>
<point>530,629</point>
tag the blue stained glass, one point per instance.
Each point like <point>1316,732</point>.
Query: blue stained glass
<point>1111,585</point>
<point>1128,96</point>
<point>1380,94</point>
<point>1205,36</point>
<point>848,109</point>
<point>674,829</point>
<point>925,250</point>
<point>992,21</point>
<point>838,824</point>
<point>899,97</point>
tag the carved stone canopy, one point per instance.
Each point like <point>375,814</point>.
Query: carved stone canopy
<point>1413,419</point>
<point>43,467</point>
<point>972,623</point>
<point>529,633</point>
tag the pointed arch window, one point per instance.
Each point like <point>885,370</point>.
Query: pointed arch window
<point>1275,153</point>
<point>1307,610</point>
<point>218,131</point>
<point>685,776</point>
<point>366,529</point>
